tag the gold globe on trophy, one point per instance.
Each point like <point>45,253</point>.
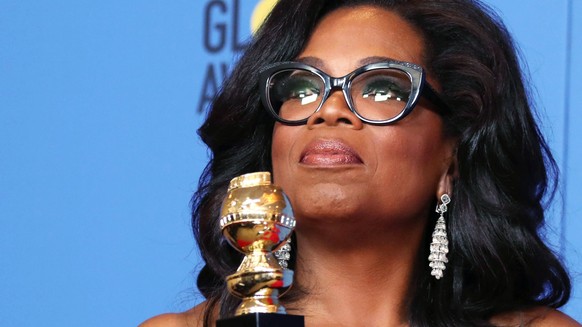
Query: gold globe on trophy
<point>257,219</point>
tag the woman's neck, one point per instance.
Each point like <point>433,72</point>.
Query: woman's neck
<point>355,276</point>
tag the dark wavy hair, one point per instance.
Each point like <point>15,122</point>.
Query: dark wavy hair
<point>498,262</point>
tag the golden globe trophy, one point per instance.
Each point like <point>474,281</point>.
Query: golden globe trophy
<point>257,219</point>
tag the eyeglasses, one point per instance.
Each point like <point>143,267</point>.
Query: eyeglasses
<point>380,93</point>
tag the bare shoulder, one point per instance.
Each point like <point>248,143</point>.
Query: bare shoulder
<point>536,317</point>
<point>191,318</point>
<point>551,317</point>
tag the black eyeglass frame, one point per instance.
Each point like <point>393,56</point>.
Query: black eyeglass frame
<point>420,87</point>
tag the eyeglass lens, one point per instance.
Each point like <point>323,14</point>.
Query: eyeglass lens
<point>379,94</point>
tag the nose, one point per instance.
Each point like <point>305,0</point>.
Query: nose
<point>335,112</point>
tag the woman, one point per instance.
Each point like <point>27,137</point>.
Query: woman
<point>433,112</point>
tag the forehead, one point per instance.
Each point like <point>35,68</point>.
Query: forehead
<point>347,35</point>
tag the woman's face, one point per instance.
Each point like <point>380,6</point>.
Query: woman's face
<point>335,166</point>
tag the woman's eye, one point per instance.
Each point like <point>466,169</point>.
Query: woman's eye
<point>385,89</point>
<point>301,88</point>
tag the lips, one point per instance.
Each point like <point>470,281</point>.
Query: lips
<point>329,153</point>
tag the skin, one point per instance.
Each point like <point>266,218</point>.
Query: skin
<point>360,221</point>
<point>403,167</point>
<point>361,212</point>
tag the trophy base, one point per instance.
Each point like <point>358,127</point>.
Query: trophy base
<point>262,320</point>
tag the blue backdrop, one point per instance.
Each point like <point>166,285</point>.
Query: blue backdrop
<point>99,105</point>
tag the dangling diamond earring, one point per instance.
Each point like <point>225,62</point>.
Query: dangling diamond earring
<point>439,247</point>
<point>284,254</point>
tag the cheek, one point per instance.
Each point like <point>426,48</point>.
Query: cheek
<point>409,167</point>
<point>283,137</point>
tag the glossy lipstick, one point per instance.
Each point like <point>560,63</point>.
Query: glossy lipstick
<point>329,153</point>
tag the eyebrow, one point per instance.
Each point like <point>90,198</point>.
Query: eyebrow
<point>375,59</point>
<point>320,64</point>
<point>312,61</point>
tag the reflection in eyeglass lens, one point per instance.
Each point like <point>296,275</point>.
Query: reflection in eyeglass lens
<point>298,86</point>
<point>381,94</point>
<point>295,94</point>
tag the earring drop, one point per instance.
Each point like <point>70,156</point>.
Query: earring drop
<point>439,247</point>
<point>284,254</point>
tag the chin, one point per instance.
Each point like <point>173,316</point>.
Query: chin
<point>326,201</point>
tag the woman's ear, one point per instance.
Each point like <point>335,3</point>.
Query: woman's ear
<point>450,172</point>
